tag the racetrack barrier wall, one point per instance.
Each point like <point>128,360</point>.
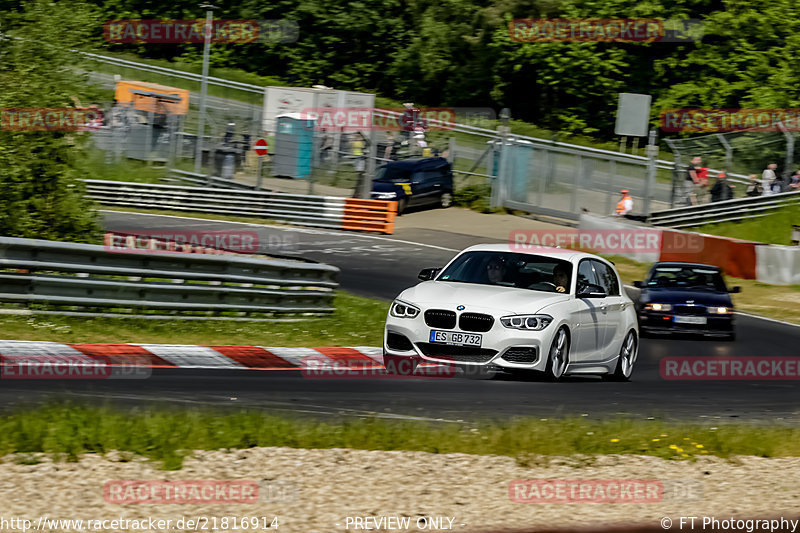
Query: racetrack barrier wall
<point>778,265</point>
<point>735,256</point>
<point>591,222</point>
<point>50,277</point>
<point>299,209</point>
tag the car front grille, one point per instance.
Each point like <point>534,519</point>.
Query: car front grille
<point>690,310</point>
<point>457,354</point>
<point>475,322</point>
<point>520,354</point>
<point>440,318</point>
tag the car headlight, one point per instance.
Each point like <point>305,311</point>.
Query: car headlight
<point>529,322</point>
<point>658,307</point>
<point>720,310</point>
<point>385,195</point>
<point>401,309</point>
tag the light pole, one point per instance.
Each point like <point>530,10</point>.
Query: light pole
<point>198,155</point>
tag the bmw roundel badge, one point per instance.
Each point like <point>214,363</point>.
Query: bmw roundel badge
<point>460,308</point>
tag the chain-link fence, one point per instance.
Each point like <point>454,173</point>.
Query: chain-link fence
<point>491,168</point>
<point>741,154</point>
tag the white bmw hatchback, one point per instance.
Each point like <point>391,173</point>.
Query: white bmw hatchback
<point>558,312</point>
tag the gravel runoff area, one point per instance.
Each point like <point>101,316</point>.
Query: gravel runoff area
<point>325,487</point>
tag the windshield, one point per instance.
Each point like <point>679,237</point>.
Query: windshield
<point>686,278</point>
<point>508,269</point>
<point>393,174</point>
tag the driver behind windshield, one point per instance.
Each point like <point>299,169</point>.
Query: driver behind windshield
<point>496,270</point>
<point>561,278</point>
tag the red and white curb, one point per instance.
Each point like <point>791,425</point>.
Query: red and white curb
<point>190,356</point>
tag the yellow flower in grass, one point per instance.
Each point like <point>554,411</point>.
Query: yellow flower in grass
<point>614,440</point>
<point>686,438</point>
<point>699,445</point>
<point>663,435</point>
<point>684,455</point>
<point>673,447</point>
<point>656,440</point>
<point>679,450</point>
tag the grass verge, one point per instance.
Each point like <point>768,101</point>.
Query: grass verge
<point>192,214</point>
<point>775,228</point>
<point>168,435</point>
<point>357,321</point>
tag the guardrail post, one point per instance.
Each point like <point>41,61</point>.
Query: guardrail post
<point>369,172</point>
<point>675,170</point>
<point>787,167</point>
<point>650,182</point>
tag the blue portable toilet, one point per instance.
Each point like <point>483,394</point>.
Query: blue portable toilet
<point>521,152</point>
<point>294,145</point>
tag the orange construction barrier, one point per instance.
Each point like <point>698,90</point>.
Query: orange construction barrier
<point>736,257</point>
<point>369,215</point>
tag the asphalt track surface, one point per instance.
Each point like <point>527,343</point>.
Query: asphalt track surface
<point>382,266</point>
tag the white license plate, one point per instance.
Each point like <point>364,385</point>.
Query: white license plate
<point>690,319</point>
<point>455,338</point>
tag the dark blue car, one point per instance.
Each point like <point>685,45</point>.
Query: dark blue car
<point>415,182</point>
<point>686,298</point>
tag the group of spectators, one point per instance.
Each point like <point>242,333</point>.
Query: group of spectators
<point>698,189</point>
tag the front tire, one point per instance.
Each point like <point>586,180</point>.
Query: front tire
<point>401,206</point>
<point>558,357</point>
<point>627,358</point>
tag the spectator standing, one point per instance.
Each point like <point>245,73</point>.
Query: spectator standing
<point>722,189</point>
<point>625,204</point>
<point>754,188</point>
<point>767,177</point>
<point>692,180</point>
<point>794,184</point>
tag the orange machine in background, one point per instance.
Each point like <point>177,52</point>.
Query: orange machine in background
<point>153,97</point>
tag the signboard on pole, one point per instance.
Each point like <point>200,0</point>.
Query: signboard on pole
<point>633,115</point>
<point>285,100</point>
<point>261,147</point>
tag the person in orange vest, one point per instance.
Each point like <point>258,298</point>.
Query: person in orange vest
<point>625,204</point>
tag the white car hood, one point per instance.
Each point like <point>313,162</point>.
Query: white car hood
<point>502,299</point>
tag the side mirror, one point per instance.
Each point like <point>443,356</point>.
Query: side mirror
<point>638,284</point>
<point>736,289</point>
<point>592,291</point>
<point>427,274</point>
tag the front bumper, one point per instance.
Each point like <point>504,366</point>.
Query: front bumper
<point>500,346</point>
<point>659,322</point>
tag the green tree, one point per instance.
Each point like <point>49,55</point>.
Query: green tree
<point>41,195</point>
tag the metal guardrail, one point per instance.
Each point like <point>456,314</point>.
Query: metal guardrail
<point>300,209</point>
<point>184,177</point>
<point>88,280</point>
<point>318,211</point>
<point>725,211</point>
